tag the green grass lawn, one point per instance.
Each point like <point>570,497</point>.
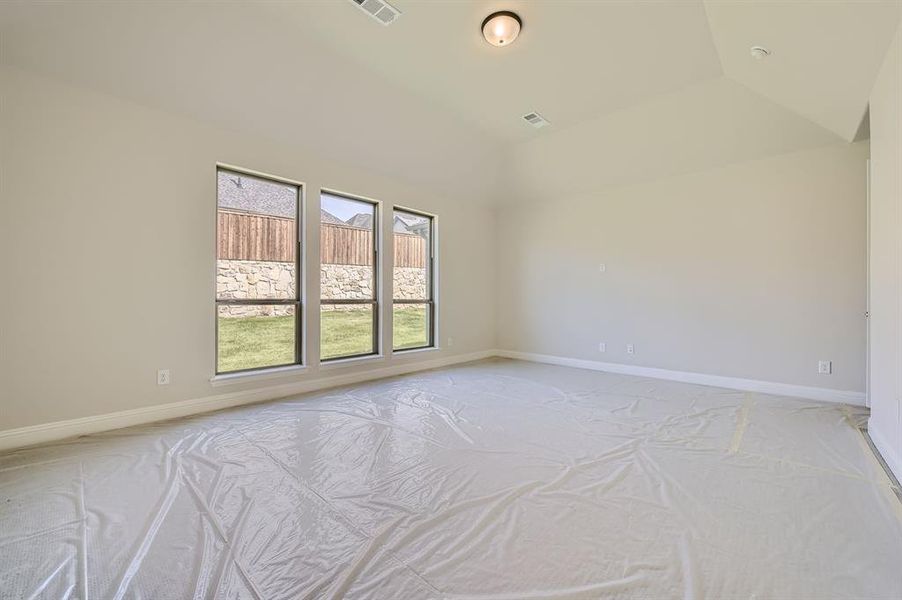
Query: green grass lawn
<point>251,342</point>
<point>410,325</point>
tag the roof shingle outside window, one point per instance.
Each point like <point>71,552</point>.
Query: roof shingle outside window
<point>251,195</point>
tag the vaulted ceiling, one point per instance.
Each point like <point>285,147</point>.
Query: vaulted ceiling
<point>574,59</point>
<point>825,54</point>
<point>669,84</point>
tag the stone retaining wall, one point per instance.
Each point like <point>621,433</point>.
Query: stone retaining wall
<point>242,279</point>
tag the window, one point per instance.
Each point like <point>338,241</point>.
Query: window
<point>413,307</point>
<point>349,321</point>
<point>258,299</point>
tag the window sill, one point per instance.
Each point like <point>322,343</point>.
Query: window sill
<point>402,353</point>
<point>351,360</point>
<point>262,374</point>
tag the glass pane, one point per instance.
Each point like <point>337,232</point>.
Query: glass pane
<point>410,325</point>
<point>346,330</point>
<point>256,238</point>
<point>255,335</point>
<point>411,275</point>
<point>347,242</point>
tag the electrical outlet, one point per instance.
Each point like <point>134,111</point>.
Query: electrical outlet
<point>602,268</point>
<point>630,349</point>
<point>825,367</point>
<point>602,347</point>
<point>163,377</point>
<point>450,342</point>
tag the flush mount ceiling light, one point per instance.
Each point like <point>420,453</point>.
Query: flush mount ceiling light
<point>501,28</point>
<point>759,53</point>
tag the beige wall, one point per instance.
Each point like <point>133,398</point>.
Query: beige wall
<point>753,270</point>
<point>90,178</point>
<point>885,389</point>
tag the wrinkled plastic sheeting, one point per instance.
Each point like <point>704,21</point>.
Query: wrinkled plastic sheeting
<point>492,480</point>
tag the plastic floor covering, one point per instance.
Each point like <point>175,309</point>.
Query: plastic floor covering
<point>497,479</point>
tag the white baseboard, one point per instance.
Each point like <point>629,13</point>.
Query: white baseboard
<point>48,432</point>
<point>891,456</point>
<point>748,385</point>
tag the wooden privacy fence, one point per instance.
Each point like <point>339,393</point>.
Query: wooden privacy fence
<point>410,251</point>
<point>243,236</point>
<point>343,245</point>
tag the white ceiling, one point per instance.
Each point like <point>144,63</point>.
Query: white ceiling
<point>578,59</point>
<point>427,99</point>
<point>245,69</point>
<point>825,54</point>
<point>706,125</point>
<point>573,60</point>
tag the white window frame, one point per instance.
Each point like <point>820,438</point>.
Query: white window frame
<point>376,301</point>
<point>297,301</point>
<point>431,288</point>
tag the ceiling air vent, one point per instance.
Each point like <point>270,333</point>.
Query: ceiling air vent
<point>382,11</point>
<point>536,120</point>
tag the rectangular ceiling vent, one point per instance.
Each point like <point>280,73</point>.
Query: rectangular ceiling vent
<point>536,120</point>
<point>380,10</point>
